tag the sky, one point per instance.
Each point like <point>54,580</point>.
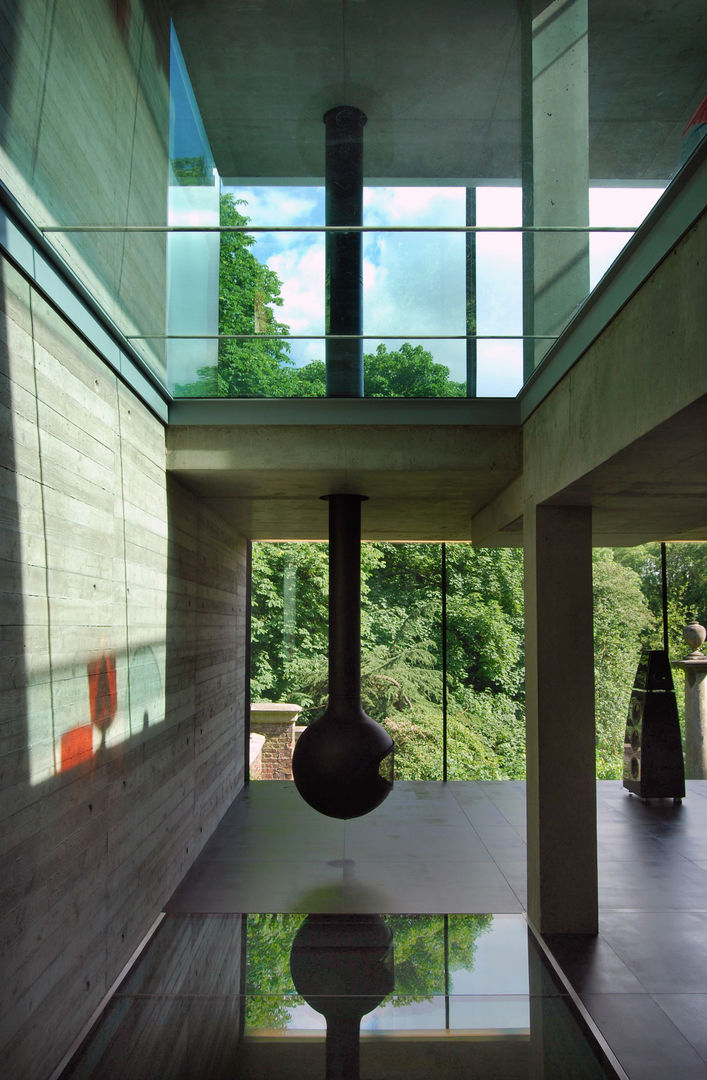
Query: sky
<point>415,283</point>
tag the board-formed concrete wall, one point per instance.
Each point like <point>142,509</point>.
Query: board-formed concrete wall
<point>84,140</point>
<point>121,678</point>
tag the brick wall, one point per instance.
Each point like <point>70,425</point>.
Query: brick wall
<point>276,754</point>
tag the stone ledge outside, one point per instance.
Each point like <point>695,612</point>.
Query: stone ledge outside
<point>265,712</point>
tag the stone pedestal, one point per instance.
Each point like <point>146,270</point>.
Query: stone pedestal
<point>276,721</point>
<point>256,755</point>
<point>695,667</point>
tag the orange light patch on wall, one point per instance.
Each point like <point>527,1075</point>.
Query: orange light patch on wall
<point>102,692</point>
<point>76,746</point>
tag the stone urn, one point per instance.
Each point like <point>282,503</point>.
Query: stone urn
<point>694,634</point>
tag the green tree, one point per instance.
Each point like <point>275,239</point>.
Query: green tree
<point>248,292</point>
<point>418,950</point>
<point>310,380</point>
<point>401,649</point>
<point>686,572</point>
<point>270,992</point>
<point>409,371</point>
<point>289,620</point>
<point>623,625</point>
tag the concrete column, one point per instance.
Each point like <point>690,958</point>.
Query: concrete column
<point>556,166</point>
<point>559,659</point>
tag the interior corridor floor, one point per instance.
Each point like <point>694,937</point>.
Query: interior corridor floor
<point>460,848</point>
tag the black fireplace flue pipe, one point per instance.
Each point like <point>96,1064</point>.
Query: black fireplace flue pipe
<point>340,759</point>
<point>344,285</point>
<point>345,601</point>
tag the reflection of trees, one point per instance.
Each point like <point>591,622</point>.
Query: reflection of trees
<point>419,947</point>
<point>268,979</point>
<point>419,958</point>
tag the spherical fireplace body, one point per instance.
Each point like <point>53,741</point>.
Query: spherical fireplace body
<point>343,763</point>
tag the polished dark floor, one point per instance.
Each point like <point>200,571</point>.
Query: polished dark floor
<point>342,997</point>
<point>460,848</point>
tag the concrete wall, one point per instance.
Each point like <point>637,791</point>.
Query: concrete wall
<point>122,678</point>
<point>642,371</point>
<point>646,366</point>
<point>84,128</point>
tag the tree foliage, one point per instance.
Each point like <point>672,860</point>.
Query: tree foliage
<point>256,361</point>
<point>401,667</point>
<point>248,292</point>
<point>623,625</point>
<point>419,951</point>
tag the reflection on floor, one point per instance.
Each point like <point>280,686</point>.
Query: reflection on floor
<point>340,997</point>
<point>436,849</point>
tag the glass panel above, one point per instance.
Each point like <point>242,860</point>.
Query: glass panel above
<point>509,116</point>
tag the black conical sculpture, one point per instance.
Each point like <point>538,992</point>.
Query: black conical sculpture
<point>342,965</point>
<point>338,759</point>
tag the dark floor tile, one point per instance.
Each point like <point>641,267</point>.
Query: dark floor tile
<point>689,1014</point>
<point>666,950</point>
<point>431,887</point>
<point>591,965</point>
<point>262,886</point>
<point>416,842</point>
<point>646,1042</point>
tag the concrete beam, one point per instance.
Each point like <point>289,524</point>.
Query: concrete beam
<point>423,482</point>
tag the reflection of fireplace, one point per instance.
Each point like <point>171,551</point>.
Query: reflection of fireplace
<point>342,965</point>
<point>342,764</point>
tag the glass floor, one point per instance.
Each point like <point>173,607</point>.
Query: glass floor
<point>338,997</point>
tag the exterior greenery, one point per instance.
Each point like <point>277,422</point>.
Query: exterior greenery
<point>401,617</point>
<point>261,366</point>
<point>418,957</point>
<point>402,644</point>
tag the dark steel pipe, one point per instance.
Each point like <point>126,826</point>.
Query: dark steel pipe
<point>664,595</point>
<point>444,663</point>
<point>344,281</point>
<point>344,600</point>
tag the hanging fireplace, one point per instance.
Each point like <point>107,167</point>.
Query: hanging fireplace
<point>343,762</point>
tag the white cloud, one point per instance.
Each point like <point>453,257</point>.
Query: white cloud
<point>414,283</point>
<point>499,368</point>
<point>280,205</point>
<point>413,206</point>
<point>615,206</point>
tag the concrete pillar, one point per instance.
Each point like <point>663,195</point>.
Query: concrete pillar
<point>559,659</point>
<point>555,167</point>
<point>695,667</point>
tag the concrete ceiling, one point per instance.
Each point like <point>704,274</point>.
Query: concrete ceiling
<point>422,481</point>
<point>427,482</point>
<point>439,82</point>
<point>655,488</point>
<point>440,85</point>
